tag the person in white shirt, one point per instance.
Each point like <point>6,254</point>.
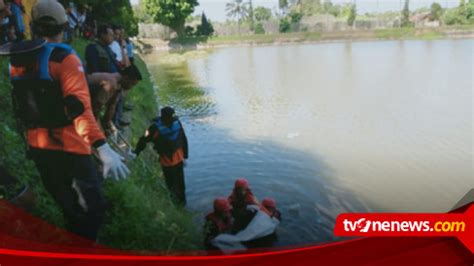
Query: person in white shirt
<point>118,47</point>
<point>72,23</point>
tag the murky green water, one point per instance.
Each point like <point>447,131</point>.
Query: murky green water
<point>328,128</point>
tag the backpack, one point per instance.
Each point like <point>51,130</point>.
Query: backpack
<point>169,139</point>
<point>38,99</point>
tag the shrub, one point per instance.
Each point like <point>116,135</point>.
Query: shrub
<point>295,17</point>
<point>436,11</point>
<point>259,29</point>
<point>452,17</point>
<point>285,25</point>
<point>352,15</point>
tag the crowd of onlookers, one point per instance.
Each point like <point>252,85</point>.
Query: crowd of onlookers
<point>111,74</point>
<point>76,22</point>
<point>13,27</point>
<point>81,22</point>
<point>12,24</point>
<point>111,54</point>
<point>80,107</point>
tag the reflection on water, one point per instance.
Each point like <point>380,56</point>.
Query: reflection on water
<point>331,128</point>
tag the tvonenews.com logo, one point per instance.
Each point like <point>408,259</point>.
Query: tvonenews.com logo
<point>455,224</point>
<point>364,225</point>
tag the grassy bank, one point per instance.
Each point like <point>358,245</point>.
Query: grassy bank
<point>141,216</point>
<point>254,38</point>
<point>408,33</point>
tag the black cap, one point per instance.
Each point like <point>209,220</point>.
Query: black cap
<point>167,112</point>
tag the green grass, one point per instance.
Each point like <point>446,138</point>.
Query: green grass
<point>142,216</point>
<point>410,33</point>
<point>395,33</point>
<point>463,27</point>
<point>431,35</point>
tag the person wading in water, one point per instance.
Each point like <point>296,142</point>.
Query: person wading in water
<point>170,142</point>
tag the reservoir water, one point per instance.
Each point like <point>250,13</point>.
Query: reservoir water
<point>332,128</point>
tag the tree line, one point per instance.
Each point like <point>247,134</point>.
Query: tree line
<point>117,12</point>
<point>175,14</point>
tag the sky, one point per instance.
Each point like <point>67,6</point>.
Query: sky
<point>215,9</point>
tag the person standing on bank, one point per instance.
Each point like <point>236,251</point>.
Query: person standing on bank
<point>53,103</point>
<point>99,56</point>
<point>170,142</point>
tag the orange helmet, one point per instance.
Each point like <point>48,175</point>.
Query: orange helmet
<point>222,204</point>
<point>269,203</point>
<point>241,183</point>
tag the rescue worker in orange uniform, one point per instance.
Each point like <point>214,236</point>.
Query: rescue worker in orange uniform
<point>219,221</point>
<point>51,99</point>
<point>170,142</point>
<point>240,198</point>
<point>269,206</point>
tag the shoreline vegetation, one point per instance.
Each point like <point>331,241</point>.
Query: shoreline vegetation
<point>141,216</point>
<point>147,45</point>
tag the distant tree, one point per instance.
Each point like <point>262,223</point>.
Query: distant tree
<point>251,15</point>
<point>118,12</point>
<point>406,14</point>
<point>191,19</point>
<point>462,8</point>
<point>335,10</point>
<point>463,14</point>
<point>436,11</point>
<point>141,15</point>
<point>330,8</point>
<point>470,11</point>
<point>237,9</point>
<point>171,13</point>
<point>283,5</point>
<point>263,13</point>
<point>327,6</point>
<point>346,9</point>
<point>295,17</point>
<point>352,15</point>
<point>206,28</point>
<point>452,17</point>
<point>189,31</point>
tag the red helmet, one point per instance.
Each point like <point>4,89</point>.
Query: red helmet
<point>222,204</point>
<point>241,183</point>
<point>269,203</point>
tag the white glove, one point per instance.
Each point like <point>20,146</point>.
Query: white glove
<point>113,163</point>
